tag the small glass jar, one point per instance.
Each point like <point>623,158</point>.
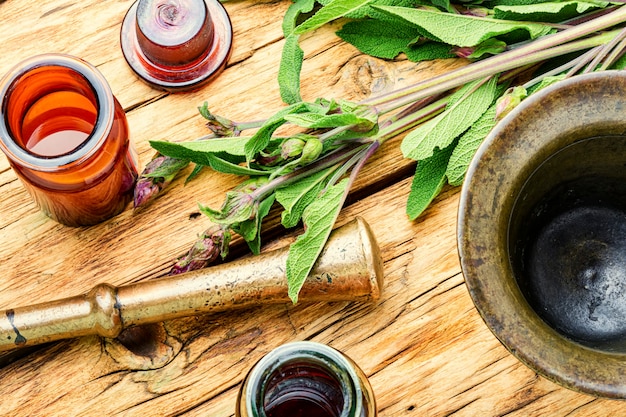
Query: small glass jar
<point>176,45</point>
<point>305,379</point>
<point>66,138</point>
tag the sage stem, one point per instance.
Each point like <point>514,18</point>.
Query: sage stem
<point>540,49</point>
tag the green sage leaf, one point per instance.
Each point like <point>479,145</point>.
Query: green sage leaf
<point>332,11</point>
<point>545,82</point>
<point>467,146</point>
<point>429,179</point>
<point>262,137</point>
<point>429,51</point>
<point>250,230</point>
<point>297,196</point>
<point>319,218</point>
<point>368,11</point>
<point>465,108</point>
<point>546,12</point>
<point>196,171</point>
<point>490,46</point>
<point>190,150</point>
<point>462,30</point>
<point>318,121</point>
<point>294,12</point>
<point>289,70</point>
<point>378,38</point>
<point>226,167</point>
<point>237,208</point>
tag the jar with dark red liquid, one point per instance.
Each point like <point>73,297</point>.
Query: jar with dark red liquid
<point>176,45</point>
<point>66,137</point>
<point>305,379</point>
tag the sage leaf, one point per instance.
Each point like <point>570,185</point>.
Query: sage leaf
<point>490,46</point>
<point>319,218</point>
<point>439,132</point>
<point>546,12</point>
<point>289,70</point>
<point>368,11</point>
<point>467,146</point>
<point>187,150</point>
<point>237,208</point>
<point>381,39</point>
<point>429,179</point>
<point>545,82</point>
<point>462,30</point>
<point>226,167</point>
<point>429,51</point>
<point>294,12</point>
<point>250,230</point>
<point>317,121</point>
<point>263,136</point>
<point>194,173</point>
<point>297,196</point>
<point>332,11</point>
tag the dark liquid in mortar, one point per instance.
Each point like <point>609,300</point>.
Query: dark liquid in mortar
<point>573,260</point>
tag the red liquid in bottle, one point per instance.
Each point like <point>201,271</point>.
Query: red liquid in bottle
<point>303,390</point>
<point>305,379</point>
<point>176,45</point>
<point>49,130</point>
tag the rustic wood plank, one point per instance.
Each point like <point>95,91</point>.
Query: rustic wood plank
<point>423,345</point>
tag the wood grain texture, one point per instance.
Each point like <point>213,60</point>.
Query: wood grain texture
<point>423,345</point>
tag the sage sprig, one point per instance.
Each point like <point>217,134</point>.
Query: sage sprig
<point>310,172</point>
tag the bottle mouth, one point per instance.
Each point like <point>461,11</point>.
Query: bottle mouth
<point>304,374</point>
<point>174,33</point>
<point>48,76</point>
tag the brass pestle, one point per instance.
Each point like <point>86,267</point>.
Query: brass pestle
<point>348,269</point>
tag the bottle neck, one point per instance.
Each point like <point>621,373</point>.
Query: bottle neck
<point>56,113</point>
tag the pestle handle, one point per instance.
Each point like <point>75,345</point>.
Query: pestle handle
<point>348,269</point>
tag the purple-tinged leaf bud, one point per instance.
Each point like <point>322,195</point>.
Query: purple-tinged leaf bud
<point>219,125</point>
<point>463,51</point>
<point>210,244</point>
<point>476,11</point>
<point>155,177</point>
<point>291,148</point>
<point>511,99</point>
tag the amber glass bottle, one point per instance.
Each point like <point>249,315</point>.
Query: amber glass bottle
<point>305,379</point>
<point>66,137</point>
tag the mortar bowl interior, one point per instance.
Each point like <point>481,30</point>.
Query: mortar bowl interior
<point>542,233</point>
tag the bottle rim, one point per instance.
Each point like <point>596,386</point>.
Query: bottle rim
<point>315,353</point>
<point>105,110</point>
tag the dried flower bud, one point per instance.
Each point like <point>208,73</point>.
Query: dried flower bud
<point>155,177</point>
<point>312,149</point>
<point>213,242</point>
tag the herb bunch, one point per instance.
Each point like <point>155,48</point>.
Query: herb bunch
<point>310,172</point>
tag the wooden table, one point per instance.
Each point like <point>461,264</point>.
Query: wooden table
<point>423,345</point>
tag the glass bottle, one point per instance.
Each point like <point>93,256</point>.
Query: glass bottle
<point>66,137</point>
<point>301,379</point>
<point>176,45</point>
